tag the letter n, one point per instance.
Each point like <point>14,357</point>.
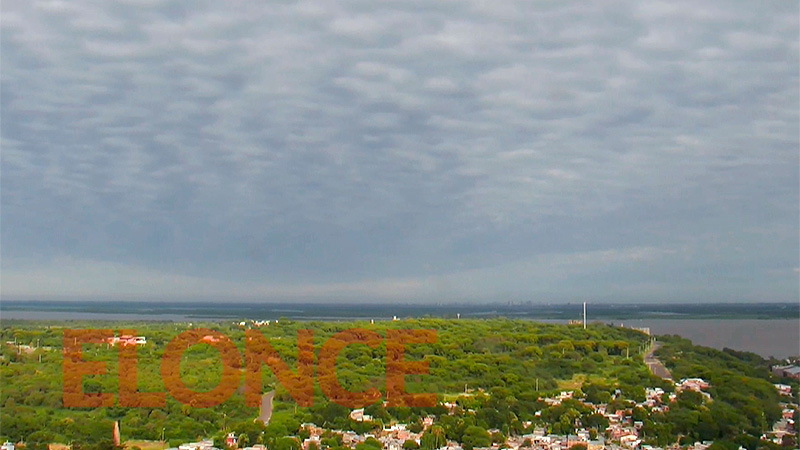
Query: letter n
<point>258,351</point>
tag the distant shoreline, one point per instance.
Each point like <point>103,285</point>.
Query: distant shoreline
<point>222,311</point>
<point>764,329</point>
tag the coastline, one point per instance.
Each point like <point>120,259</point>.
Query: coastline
<point>767,337</point>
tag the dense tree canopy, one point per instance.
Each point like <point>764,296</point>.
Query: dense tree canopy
<point>494,370</point>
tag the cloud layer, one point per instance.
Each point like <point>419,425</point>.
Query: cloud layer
<point>385,150</point>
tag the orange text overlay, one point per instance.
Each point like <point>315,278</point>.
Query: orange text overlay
<point>258,353</point>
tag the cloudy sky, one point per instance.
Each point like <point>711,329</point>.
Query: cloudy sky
<point>372,150</point>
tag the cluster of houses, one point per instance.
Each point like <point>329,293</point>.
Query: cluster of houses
<point>787,371</point>
<point>784,389</point>
<point>126,340</point>
<point>786,425</point>
<point>693,384</point>
<point>254,323</point>
<point>201,445</point>
<point>231,441</point>
<point>623,432</point>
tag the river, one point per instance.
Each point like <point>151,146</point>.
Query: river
<point>773,337</point>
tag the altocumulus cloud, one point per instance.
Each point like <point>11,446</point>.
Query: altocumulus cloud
<point>381,150</point>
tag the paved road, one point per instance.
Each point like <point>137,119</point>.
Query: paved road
<point>266,407</point>
<point>655,365</point>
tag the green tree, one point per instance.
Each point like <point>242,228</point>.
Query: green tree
<point>372,442</point>
<point>286,443</point>
<point>410,444</point>
<point>475,436</point>
<point>433,438</point>
<point>38,440</point>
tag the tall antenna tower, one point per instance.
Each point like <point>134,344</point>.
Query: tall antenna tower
<point>584,315</point>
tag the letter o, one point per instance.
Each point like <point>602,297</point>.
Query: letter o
<point>171,368</point>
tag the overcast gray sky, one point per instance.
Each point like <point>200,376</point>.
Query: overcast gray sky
<point>413,150</point>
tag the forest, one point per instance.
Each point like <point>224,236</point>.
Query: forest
<point>497,372</point>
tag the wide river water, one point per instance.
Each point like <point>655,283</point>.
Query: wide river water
<point>767,337</point>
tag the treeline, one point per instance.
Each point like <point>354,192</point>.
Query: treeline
<point>495,370</point>
<point>468,354</point>
<point>745,402</point>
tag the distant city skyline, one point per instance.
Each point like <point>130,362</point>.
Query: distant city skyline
<point>400,151</point>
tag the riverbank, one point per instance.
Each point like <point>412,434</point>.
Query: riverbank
<point>779,338</point>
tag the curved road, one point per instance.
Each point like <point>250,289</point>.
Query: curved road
<point>266,407</point>
<point>655,365</point>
